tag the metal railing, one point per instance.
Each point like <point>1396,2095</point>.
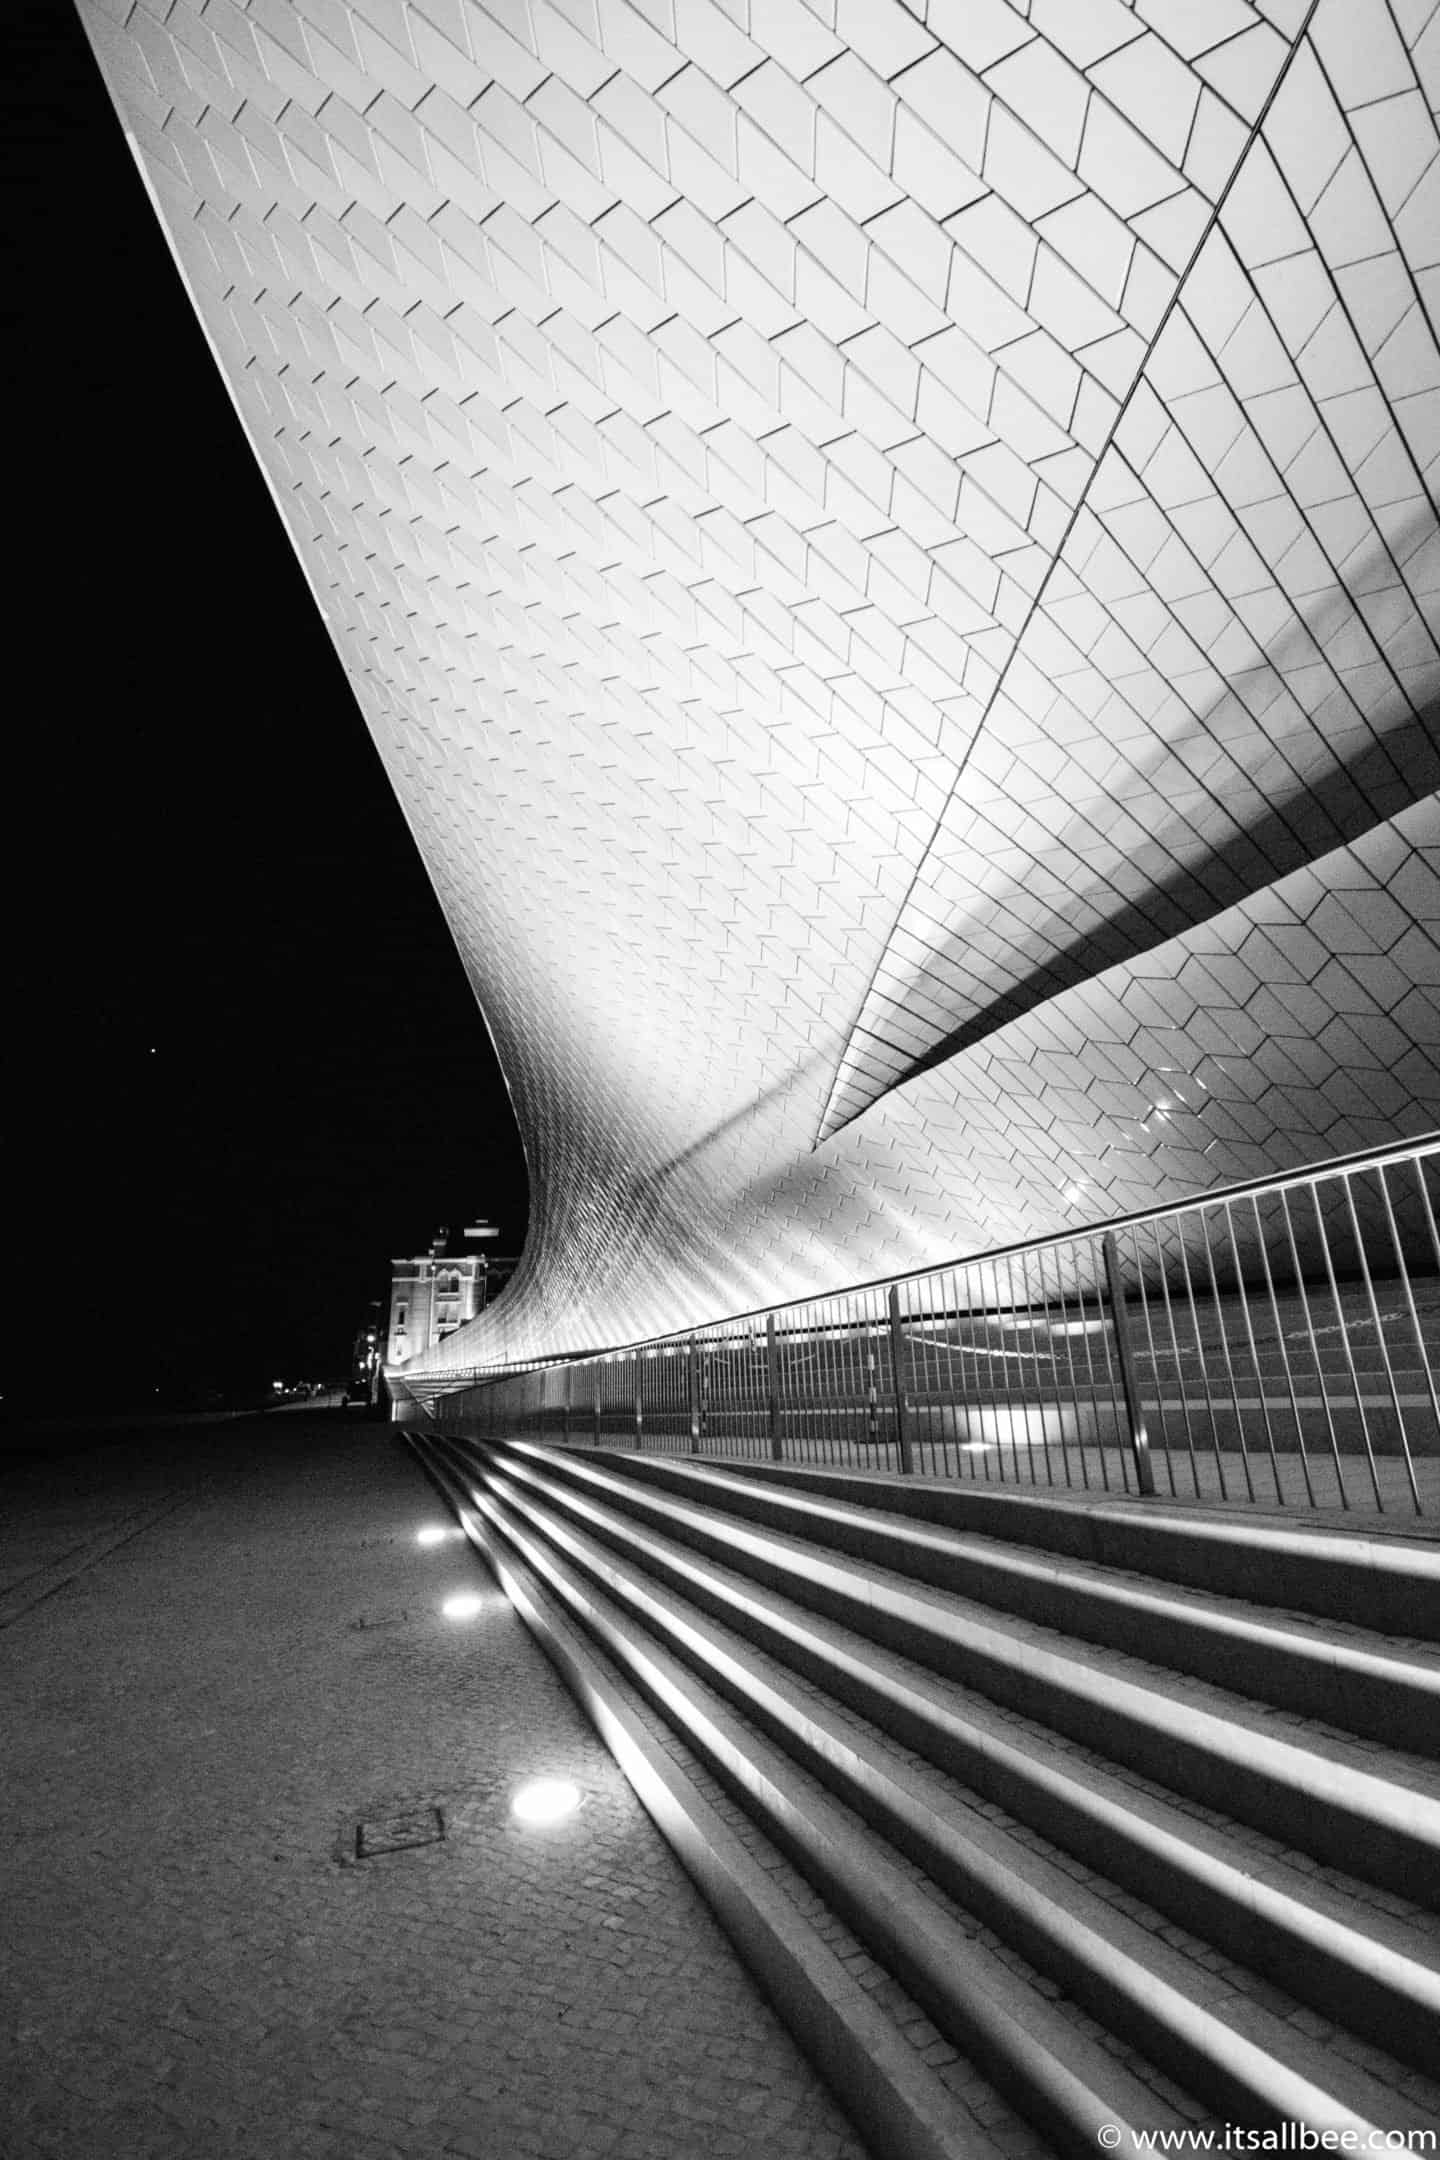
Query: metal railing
<point>1275,1342</point>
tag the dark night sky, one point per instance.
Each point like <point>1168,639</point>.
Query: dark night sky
<point>251,1068</point>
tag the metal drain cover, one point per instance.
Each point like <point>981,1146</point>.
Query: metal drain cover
<point>396,1833</point>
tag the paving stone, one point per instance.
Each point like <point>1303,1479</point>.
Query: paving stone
<point>201,1967</point>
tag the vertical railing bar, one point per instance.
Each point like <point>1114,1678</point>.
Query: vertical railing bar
<point>1344,1330</point>
<point>900,1381</point>
<point>955,1379</point>
<point>985,1406</point>
<point>999,1349</point>
<point>1084,1268</point>
<point>923,1361</point>
<point>1417,1163</point>
<point>1224,1335</point>
<point>840,1369</point>
<point>1020,1366</point>
<point>1038,1386</point>
<point>1404,1266</point>
<point>1262,1243</point>
<point>1069,1340</point>
<point>949,1461</point>
<point>1000,1388</point>
<point>840,1423</point>
<point>828,1369</point>
<point>1129,1376</point>
<point>772,1388</point>
<point>1201,1360</point>
<point>692,1375</point>
<point>1303,1292</point>
<point>797,1389</point>
<point>1103,1307</point>
<point>941,1423</point>
<point>872,1384</point>
<point>1243,1293</point>
<point>1154,1367</point>
<point>1346,1182</point>
<point>915,1365</point>
<point>805,1385</point>
<point>861,1365</point>
<point>968,1411</point>
<point>845,1423</point>
<point>1164,1271</point>
<point>935,1366</point>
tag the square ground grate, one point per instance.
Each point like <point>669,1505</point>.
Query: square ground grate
<point>397,1833</point>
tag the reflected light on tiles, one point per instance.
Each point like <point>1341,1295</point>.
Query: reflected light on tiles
<point>545,1800</point>
<point>463,1606</point>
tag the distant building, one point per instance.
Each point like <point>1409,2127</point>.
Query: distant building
<point>363,1385</point>
<point>430,1297</point>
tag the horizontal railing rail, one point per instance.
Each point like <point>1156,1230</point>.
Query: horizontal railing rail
<point>1275,1341</point>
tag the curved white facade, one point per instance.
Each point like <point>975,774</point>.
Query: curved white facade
<point>890,554</point>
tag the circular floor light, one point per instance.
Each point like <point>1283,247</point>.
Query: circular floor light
<point>545,1800</point>
<point>432,1534</point>
<point>463,1605</point>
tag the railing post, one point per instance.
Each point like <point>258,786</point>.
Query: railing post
<point>692,1363</point>
<point>567,1375</point>
<point>599,1383</point>
<point>772,1385</point>
<point>1129,1378</point>
<point>901,1378</point>
<point>639,1364</point>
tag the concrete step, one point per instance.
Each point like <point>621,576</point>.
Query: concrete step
<point>1330,1670</point>
<point>1315,1788</point>
<point>1227,2042</point>
<point>1337,1947</point>
<point>993,1804</point>
<point>905,2086</point>
<point>1057,2067</point>
<point>1378,1578</point>
<point>1232,2043</point>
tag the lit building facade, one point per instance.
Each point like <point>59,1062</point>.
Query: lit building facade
<point>890,555</point>
<point>430,1297</point>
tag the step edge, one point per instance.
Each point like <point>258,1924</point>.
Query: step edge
<point>1397,1809</point>
<point>1114,1954</point>
<point>904,2108</point>
<point>782,1617</point>
<point>1252,1628</point>
<point>1074,2109</point>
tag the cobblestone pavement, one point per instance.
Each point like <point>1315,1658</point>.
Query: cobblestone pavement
<point>200,1966</point>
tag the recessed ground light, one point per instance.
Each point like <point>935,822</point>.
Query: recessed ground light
<point>463,1606</point>
<point>545,1800</point>
<point>432,1534</point>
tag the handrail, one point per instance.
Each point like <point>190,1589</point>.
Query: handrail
<point>453,1376</point>
<point>1273,1332</point>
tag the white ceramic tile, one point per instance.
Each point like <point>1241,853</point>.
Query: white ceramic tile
<point>811,607</point>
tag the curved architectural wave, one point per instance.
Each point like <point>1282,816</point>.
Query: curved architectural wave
<point>890,555</point>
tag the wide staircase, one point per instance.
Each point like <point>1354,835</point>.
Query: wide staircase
<point>1048,1825</point>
